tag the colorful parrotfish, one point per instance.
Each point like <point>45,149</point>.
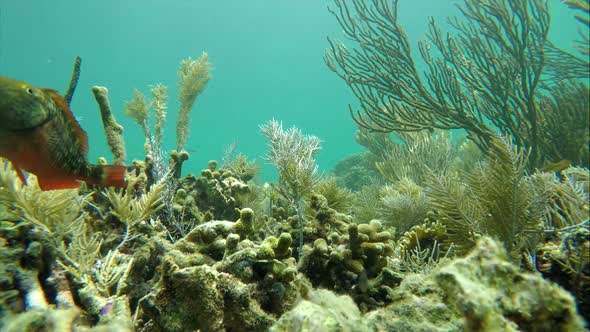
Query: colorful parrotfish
<point>39,134</point>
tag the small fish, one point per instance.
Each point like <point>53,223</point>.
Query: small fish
<point>39,134</point>
<point>556,167</point>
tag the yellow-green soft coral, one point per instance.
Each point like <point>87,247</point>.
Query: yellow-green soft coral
<point>193,76</point>
<point>53,212</point>
<point>159,96</point>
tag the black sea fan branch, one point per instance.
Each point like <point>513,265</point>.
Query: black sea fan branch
<point>485,75</point>
<point>74,80</point>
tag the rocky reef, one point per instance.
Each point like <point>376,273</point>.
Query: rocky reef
<point>483,291</point>
<point>223,276</point>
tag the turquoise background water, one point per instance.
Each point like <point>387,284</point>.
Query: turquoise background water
<point>267,58</point>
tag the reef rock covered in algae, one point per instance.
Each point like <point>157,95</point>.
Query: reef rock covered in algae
<point>347,257</point>
<point>483,291</point>
<point>217,278</point>
<point>322,310</point>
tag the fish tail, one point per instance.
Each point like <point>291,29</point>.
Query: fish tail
<point>108,176</point>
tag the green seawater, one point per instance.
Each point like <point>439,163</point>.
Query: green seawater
<point>267,58</point>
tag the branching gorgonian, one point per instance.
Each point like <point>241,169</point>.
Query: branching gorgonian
<point>293,153</point>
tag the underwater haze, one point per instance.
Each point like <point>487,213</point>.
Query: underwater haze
<point>454,197</point>
<point>267,59</point>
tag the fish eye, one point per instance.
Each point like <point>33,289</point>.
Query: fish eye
<point>29,90</point>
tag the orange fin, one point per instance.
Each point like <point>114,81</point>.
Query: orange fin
<point>55,184</point>
<point>112,176</point>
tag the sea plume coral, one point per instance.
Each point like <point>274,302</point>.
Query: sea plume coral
<point>499,199</point>
<point>294,156</point>
<point>193,75</point>
<point>138,109</point>
<point>293,153</point>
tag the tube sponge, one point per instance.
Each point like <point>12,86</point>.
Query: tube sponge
<point>193,75</point>
<point>113,130</point>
